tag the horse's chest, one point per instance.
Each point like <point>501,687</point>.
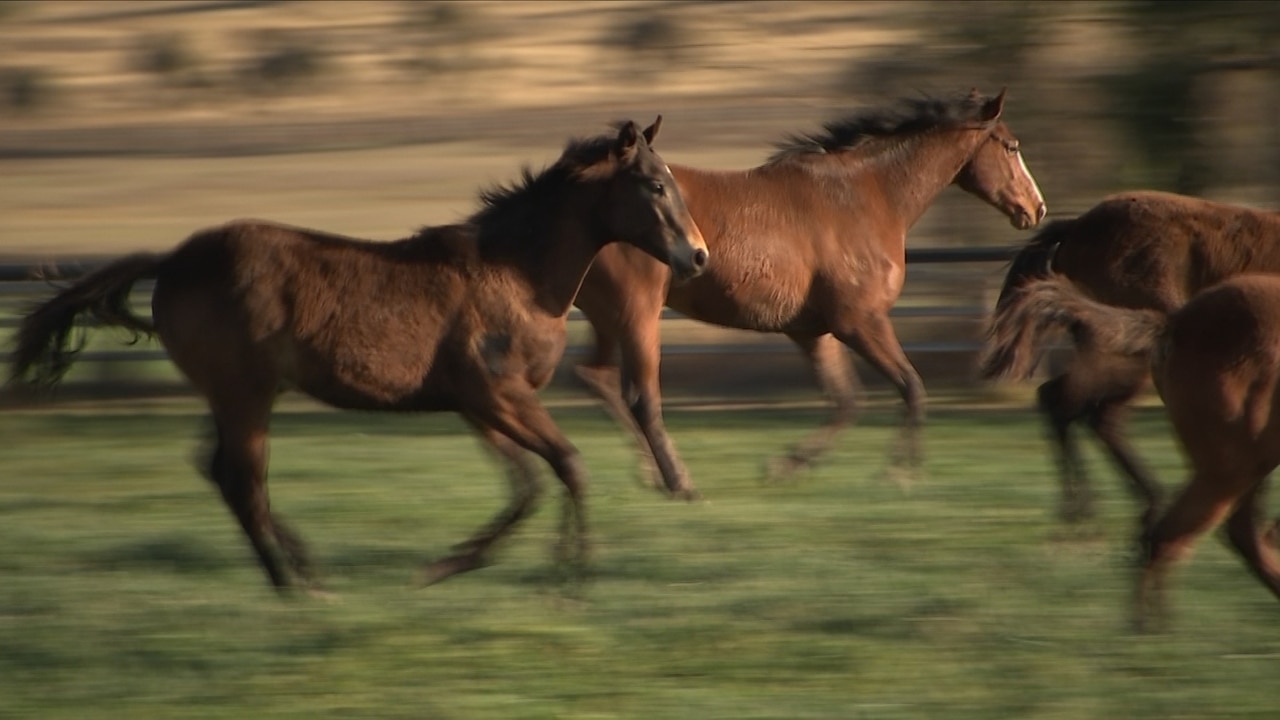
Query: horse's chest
<point>758,286</point>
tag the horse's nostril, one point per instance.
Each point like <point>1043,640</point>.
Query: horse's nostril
<point>1041,212</point>
<point>700,258</point>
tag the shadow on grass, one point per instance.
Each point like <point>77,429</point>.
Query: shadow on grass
<point>169,553</point>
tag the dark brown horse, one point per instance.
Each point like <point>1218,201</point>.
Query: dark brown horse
<point>811,245</point>
<point>1216,364</point>
<point>1138,250</point>
<point>468,318</point>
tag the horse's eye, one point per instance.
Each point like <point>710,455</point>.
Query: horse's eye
<point>1012,147</point>
<point>658,189</point>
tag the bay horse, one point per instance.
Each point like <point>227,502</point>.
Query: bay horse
<point>1216,364</point>
<point>1142,249</point>
<point>468,318</point>
<point>810,244</point>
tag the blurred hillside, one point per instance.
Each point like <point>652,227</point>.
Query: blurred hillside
<point>119,118</point>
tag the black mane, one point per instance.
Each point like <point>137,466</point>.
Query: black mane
<point>909,116</point>
<point>516,214</point>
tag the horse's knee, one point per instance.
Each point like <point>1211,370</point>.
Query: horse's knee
<point>643,408</point>
<point>569,467</point>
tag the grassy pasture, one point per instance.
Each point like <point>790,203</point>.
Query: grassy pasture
<point>126,591</point>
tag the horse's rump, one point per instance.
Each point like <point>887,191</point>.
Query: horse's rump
<point>1035,259</point>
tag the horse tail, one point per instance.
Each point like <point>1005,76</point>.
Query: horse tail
<point>1035,259</point>
<point>1019,328</point>
<point>43,342</point>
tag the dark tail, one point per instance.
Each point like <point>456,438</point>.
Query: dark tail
<point>44,351</point>
<point>1035,309</point>
<point>1034,259</point>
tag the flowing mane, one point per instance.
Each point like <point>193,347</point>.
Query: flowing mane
<point>516,215</point>
<point>909,116</point>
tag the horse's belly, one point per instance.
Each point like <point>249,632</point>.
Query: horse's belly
<point>748,305</point>
<point>420,396</point>
<point>344,399</point>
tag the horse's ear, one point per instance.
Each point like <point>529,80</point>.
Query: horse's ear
<point>651,132</point>
<point>992,108</point>
<point>628,136</point>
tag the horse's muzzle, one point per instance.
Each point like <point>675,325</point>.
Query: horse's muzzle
<point>1025,221</point>
<point>692,268</point>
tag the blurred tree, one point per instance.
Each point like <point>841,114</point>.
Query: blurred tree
<point>653,40</point>
<point>442,36</point>
<point>1159,100</point>
<point>170,59</point>
<point>25,89</point>
<point>984,44</point>
<point>283,62</point>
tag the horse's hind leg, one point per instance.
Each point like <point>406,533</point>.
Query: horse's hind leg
<point>238,468</point>
<point>1201,505</point>
<point>875,340</point>
<point>835,373</point>
<point>525,490</point>
<point>1252,542</point>
<point>1077,498</point>
<point>1107,421</point>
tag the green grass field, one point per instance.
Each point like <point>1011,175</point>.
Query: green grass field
<point>127,592</point>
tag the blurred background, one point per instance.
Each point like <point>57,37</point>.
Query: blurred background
<point>127,125</point>
<point>127,591</point>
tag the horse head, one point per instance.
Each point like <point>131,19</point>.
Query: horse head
<point>646,208</point>
<point>997,173</point>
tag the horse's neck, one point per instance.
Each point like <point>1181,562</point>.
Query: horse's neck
<point>913,170</point>
<point>556,273</point>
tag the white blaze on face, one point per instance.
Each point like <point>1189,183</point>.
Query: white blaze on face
<point>1031,179</point>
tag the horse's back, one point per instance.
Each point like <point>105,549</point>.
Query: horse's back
<point>354,323</point>
<point>1151,249</point>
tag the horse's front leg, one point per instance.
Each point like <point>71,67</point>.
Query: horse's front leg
<point>875,340</point>
<point>475,552</point>
<point>839,382</point>
<point>641,348</point>
<point>515,420</point>
<point>602,377</point>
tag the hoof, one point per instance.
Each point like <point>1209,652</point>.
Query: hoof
<point>783,468</point>
<point>687,494</point>
<point>319,593</point>
<point>905,477</point>
<point>647,474</point>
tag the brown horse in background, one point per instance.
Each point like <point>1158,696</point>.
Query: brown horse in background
<point>468,318</point>
<point>811,244</point>
<point>1147,250</point>
<point>1216,364</point>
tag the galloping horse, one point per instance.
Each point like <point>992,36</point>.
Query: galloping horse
<point>1142,249</point>
<point>468,318</point>
<point>810,244</point>
<point>1216,364</point>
